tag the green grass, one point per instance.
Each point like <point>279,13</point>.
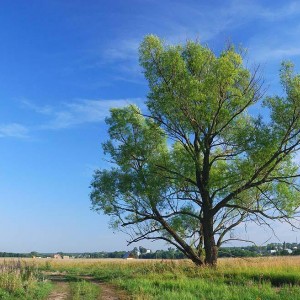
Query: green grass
<point>203,289</point>
<point>233,279</point>
<point>83,290</point>
<point>22,282</point>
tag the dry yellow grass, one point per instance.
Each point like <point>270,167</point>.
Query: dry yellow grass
<point>282,263</point>
<point>265,277</point>
<point>232,263</point>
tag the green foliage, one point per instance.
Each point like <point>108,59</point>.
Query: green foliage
<point>185,83</point>
<point>199,163</point>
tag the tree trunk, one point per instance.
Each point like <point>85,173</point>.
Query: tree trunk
<point>196,257</point>
<point>198,261</point>
<point>210,247</point>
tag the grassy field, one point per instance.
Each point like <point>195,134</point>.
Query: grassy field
<point>20,280</point>
<point>258,278</point>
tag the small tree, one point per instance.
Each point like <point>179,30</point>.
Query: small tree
<point>199,164</point>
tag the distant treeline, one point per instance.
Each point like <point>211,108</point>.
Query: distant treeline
<point>160,254</point>
<point>171,253</point>
<point>273,249</point>
<point>10,254</point>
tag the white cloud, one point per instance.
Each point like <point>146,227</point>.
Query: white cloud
<point>198,20</point>
<point>13,130</point>
<point>176,21</point>
<point>83,111</point>
<point>46,109</point>
<point>78,112</point>
<point>66,115</point>
<point>286,10</point>
<point>280,43</point>
<point>285,52</point>
<point>127,49</point>
<point>274,51</point>
<point>122,56</point>
<point>252,10</point>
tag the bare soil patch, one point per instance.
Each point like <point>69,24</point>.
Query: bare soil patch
<point>108,292</point>
<point>61,289</point>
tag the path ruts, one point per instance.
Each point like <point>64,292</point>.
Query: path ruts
<point>61,290</point>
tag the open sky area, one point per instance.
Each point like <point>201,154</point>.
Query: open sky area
<point>64,64</point>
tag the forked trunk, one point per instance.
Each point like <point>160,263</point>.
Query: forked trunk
<point>198,260</point>
<point>209,255</point>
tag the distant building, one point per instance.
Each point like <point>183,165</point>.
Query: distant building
<point>57,256</point>
<point>66,257</point>
<point>272,251</point>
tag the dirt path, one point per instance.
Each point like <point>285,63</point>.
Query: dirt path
<point>61,289</point>
<point>108,292</point>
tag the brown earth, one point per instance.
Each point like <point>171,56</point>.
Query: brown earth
<point>61,289</point>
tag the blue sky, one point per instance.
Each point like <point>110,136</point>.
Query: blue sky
<point>64,64</point>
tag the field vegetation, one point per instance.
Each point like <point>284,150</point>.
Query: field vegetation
<point>235,279</point>
<point>83,290</point>
<point>22,281</point>
<point>255,278</point>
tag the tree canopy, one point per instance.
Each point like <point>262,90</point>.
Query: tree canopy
<point>198,163</point>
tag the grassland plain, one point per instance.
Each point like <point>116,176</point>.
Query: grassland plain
<point>263,278</point>
<point>260,278</point>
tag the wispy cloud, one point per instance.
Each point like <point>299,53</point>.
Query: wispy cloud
<point>198,19</point>
<point>126,50</point>
<point>43,109</point>
<point>78,112</point>
<point>176,21</point>
<point>122,57</point>
<point>250,9</point>
<point>275,46</point>
<point>13,130</point>
<point>283,52</point>
<point>277,14</point>
<point>82,111</point>
<point>65,115</point>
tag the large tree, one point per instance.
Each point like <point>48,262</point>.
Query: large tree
<point>198,163</point>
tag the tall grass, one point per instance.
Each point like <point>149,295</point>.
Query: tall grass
<point>271,278</point>
<point>20,280</point>
<point>234,279</point>
<point>83,290</point>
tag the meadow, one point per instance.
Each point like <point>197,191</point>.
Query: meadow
<point>263,278</point>
<point>22,280</point>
